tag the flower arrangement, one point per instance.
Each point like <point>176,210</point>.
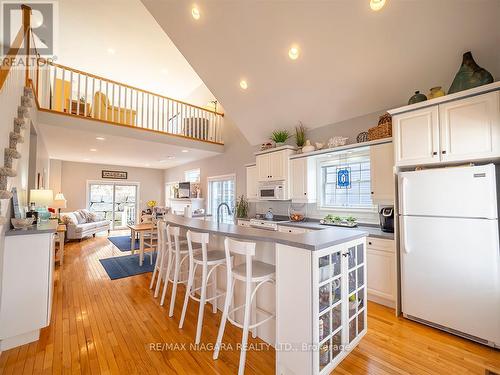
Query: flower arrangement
<point>151,204</point>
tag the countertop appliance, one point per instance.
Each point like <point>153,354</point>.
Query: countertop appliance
<point>450,253</point>
<point>386,215</point>
<point>269,224</point>
<point>274,190</point>
<point>184,189</point>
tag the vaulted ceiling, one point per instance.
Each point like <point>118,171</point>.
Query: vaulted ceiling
<point>353,61</point>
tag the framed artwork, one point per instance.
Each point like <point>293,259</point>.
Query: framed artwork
<point>115,175</point>
<point>15,203</point>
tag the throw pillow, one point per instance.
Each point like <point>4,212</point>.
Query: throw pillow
<point>92,217</point>
<point>69,219</point>
<point>86,215</point>
<point>79,217</point>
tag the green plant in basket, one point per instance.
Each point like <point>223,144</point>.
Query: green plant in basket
<point>242,207</point>
<point>351,219</point>
<point>280,136</point>
<point>337,219</point>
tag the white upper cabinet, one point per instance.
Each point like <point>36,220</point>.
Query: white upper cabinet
<point>303,180</point>
<point>470,128</point>
<point>460,130</point>
<point>416,137</point>
<point>381,173</point>
<point>273,165</point>
<point>252,182</point>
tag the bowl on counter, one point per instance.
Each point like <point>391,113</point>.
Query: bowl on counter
<point>22,223</point>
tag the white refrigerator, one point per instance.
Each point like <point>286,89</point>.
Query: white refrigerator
<point>450,253</point>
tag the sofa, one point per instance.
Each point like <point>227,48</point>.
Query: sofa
<point>83,223</point>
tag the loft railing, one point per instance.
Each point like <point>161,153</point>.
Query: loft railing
<point>64,90</point>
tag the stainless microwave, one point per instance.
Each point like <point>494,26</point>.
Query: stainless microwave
<point>275,191</point>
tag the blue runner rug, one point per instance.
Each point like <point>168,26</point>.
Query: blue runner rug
<point>128,265</point>
<point>123,242</point>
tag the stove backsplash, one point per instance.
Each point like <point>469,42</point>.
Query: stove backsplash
<point>312,211</point>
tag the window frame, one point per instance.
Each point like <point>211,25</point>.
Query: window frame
<point>326,162</point>
<point>186,179</point>
<point>225,177</point>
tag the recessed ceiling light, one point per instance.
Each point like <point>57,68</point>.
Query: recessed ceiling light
<point>377,4</point>
<point>111,51</point>
<point>293,52</point>
<point>100,138</point>
<point>243,84</point>
<point>195,12</point>
<point>164,71</point>
<point>93,150</point>
<point>185,150</point>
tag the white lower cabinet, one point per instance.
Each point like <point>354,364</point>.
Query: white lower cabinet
<point>381,262</point>
<point>294,230</point>
<point>26,287</point>
<point>335,286</point>
<point>243,223</point>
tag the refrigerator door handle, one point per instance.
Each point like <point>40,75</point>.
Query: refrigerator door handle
<point>402,203</point>
<point>403,236</point>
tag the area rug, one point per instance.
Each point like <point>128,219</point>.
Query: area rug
<point>126,266</point>
<point>123,242</point>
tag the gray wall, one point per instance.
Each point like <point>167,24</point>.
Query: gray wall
<point>74,176</point>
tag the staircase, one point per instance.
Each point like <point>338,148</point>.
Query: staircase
<point>11,154</point>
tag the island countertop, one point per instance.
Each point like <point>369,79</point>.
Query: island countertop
<point>49,226</point>
<point>313,241</point>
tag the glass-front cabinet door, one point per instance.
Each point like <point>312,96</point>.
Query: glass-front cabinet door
<point>340,309</point>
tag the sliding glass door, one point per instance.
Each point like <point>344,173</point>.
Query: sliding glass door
<point>114,201</point>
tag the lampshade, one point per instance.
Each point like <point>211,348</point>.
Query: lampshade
<point>41,197</point>
<point>59,201</point>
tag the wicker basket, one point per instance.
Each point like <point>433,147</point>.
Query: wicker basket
<point>382,130</point>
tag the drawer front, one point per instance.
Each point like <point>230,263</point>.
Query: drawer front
<point>243,223</point>
<point>380,244</point>
<point>285,229</point>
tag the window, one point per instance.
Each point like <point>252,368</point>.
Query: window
<point>345,181</point>
<point>192,175</point>
<point>169,192</point>
<point>221,189</point>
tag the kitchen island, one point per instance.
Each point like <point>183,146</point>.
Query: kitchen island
<point>319,298</point>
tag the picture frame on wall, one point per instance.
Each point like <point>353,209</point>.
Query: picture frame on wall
<point>15,203</point>
<point>115,175</point>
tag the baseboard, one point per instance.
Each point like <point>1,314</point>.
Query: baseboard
<point>382,301</point>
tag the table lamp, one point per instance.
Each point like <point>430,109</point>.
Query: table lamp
<point>58,203</point>
<point>42,199</point>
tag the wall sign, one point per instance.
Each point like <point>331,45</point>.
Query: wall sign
<point>344,178</point>
<point>116,175</point>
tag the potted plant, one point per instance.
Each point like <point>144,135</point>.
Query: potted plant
<point>280,137</point>
<point>300,135</point>
<point>351,221</point>
<point>242,207</point>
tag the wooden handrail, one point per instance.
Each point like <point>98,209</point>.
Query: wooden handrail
<point>45,61</point>
<point>26,31</point>
<point>15,47</point>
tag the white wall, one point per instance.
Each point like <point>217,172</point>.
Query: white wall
<point>74,177</point>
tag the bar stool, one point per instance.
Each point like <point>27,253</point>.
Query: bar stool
<point>161,258</point>
<point>209,261</point>
<point>150,237</point>
<point>176,258</point>
<point>251,272</point>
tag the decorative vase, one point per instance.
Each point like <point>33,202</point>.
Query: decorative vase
<point>435,92</point>
<point>417,98</point>
<point>308,147</point>
<point>469,75</point>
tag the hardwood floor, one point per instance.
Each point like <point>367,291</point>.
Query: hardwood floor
<point>101,326</point>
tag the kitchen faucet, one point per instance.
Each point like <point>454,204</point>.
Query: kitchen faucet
<point>219,210</point>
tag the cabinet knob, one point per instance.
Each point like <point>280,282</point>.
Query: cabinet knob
<point>369,243</point>
<point>434,153</point>
<point>305,193</point>
<point>443,152</point>
<point>371,192</point>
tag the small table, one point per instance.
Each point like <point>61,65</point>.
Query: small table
<point>141,229</point>
<point>60,238</point>
<point>77,108</point>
